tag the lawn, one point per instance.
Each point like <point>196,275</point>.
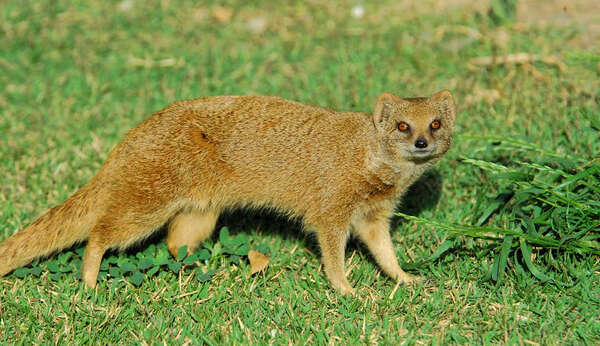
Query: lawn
<point>75,76</point>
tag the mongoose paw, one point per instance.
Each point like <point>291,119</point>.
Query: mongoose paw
<point>89,282</point>
<point>89,285</point>
<point>347,291</point>
<point>343,288</point>
<point>406,279</point>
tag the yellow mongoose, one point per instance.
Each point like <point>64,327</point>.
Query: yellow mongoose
<point>338,172</point>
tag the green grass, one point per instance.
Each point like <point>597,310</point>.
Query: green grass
<point>75,76</point>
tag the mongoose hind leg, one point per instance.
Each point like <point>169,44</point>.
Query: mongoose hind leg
<point>375,234</point>
<point>92,258</point>
<point>116,230</point>
<point>190,228</point>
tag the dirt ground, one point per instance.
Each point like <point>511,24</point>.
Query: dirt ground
<point>583,14</point>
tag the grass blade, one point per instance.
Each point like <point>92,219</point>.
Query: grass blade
<point>526,252</point>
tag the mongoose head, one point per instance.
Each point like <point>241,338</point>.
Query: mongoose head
<point>415,129</point>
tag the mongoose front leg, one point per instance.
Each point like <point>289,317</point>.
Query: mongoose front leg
<point>333,244</point>
<point>190,228</point>
<point>375,234</point>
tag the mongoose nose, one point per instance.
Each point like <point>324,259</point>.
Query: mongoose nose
<point>421,143</point>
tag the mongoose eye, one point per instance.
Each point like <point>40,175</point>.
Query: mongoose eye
<point>402,126</point>
<point>435,124</point>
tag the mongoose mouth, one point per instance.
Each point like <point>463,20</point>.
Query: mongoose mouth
<point>421,153</point>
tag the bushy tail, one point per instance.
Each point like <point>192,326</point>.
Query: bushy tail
<point>58,228</point>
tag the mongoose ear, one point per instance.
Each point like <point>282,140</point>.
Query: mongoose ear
<point>445,101</point>
<point>383,106</point>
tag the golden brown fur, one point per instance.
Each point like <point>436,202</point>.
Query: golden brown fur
<point>339,172</point>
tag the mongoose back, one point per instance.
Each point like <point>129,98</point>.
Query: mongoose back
<point>337,172</point>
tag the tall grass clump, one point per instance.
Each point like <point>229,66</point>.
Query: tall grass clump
<point>544,214</point>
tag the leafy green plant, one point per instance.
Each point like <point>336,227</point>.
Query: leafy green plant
<point>551,210</point>
<point>146,263</point>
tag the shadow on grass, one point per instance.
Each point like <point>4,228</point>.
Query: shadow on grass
<point>424,194</point>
